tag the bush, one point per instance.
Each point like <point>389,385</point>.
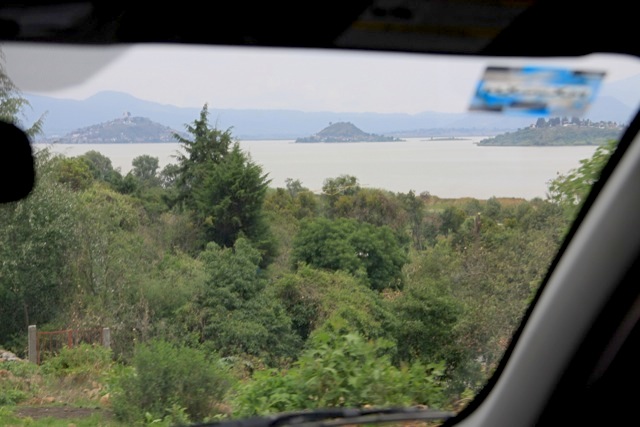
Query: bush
<point>341,371</point>
<point>10,395</point>
<point>312,296</point>
<point>83,362</point>
<point>17,382</point>
<point>164,377</point>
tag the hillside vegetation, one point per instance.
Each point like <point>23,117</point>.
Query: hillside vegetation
<point>227,297</point>
<point>558,132</point>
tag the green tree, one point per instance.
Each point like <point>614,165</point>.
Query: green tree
<point>99,165</point>
<point>168,175</point>
<point>207,149</point>
<point>451,219</point>
<point>147,185</point>
<point>229,201</point>
<point>425,327</point>
<point>492,273</point>
<point>117,269</point>
<point>73,172</point>
<point>231,312</point>
<point>414,206</point>
<point>145,168</point>
<point>493,208</point>
<point>369,252</point>
<point>335,188</point>
<point>372,205</point>
<point>37,241</point>
<point>294,186</point>
<point>222,186</point>
<point>313,297</point>
<point>346,185</point>
<point>292,203</point>
<point>128,184</point>
<point>571,190</point>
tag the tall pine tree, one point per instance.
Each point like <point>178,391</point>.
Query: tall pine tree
<point>222,186</point>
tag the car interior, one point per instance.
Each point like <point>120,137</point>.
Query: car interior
<point>573,360</point>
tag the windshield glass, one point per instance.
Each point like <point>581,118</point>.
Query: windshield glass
<point>219,233</point>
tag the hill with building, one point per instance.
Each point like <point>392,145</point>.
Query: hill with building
<point>123,130</point>
<point>559,131</point>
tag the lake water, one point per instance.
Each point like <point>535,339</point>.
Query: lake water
<point>444,168</point>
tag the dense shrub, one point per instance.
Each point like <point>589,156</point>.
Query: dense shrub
<point>374,254</point>
<point>82,362</point>
<point>312,297</point>
<point>164,377</point>
<point>340,370</point>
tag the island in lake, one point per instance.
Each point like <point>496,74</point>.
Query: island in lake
<point>124,130</point>
<point>559,131</point>
<point>345,132</point>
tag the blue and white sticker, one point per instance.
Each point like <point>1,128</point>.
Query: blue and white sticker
<point>536,91</point>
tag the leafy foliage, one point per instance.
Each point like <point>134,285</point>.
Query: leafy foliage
<point>315,297</point>
<point>230,200</point>
<point>341,370</point>
<point>164,376</point>
<point>366,251</point>
<point>101,168</point>
<point>373,206</point>
<point>348,298</point>
<point>334,188</point>
<point>232,313</point>
<point>38,234</point>
<point>145,168</point>
<point>425,328</point>
<point>570,191</point>
<point>73,172</point>
<point>414,207</point>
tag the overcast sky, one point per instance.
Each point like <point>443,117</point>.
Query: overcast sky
<point>309,80</point>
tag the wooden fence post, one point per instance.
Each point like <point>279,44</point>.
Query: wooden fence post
<point>106,337</point>
<point>33,344</point>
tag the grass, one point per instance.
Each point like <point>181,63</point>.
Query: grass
<point>11,417</point>
<point>68,391</point>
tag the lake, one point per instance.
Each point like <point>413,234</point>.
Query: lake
<point>444,168</point>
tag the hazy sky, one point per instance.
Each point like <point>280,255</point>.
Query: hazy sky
<point>308,80</point>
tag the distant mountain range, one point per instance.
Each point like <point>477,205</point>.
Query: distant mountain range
<point>64,116</point>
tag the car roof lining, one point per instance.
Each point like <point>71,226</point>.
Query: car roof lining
<point>463,27</point>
